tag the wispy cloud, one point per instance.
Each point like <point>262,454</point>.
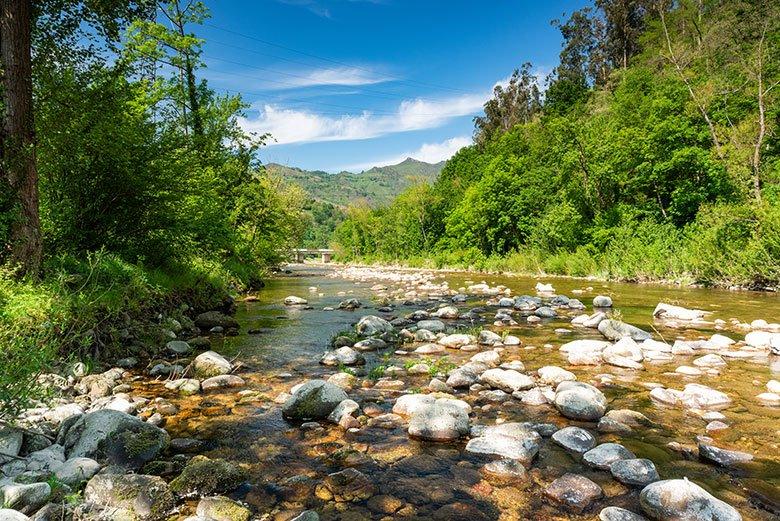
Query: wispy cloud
<point>428,152</point>
<point>343,76</point>
<point>310,5</point>
<point>290,125</point>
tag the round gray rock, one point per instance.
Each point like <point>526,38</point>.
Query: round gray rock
<point>580,401</point>
<point>574,439</point>
<point>638,471</point>
<point>314,400</point>
<point>604,455</point>
<point>683,500</point>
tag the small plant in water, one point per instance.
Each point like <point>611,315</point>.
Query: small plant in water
<point>617,315</point>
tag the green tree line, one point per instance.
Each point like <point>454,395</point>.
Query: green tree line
<point>127,186</point>
<point>652,153</point>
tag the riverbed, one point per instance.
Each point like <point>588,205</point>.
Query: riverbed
<point>280,346</point>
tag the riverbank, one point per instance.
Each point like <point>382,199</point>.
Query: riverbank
<point>220,423</point>
<point>577,265</point>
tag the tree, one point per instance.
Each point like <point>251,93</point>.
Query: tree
<point>624,24</point>
<point>18,134</point>
<point>27,26</point>
<point>516,103</point>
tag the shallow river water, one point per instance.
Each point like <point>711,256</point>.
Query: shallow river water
<point>420,480</point>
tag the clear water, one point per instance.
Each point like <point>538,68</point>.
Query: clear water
<point>440,481</point>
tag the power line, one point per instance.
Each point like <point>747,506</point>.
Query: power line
<point>330,60</point>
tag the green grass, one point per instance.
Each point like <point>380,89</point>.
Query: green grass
<point>80,307</point>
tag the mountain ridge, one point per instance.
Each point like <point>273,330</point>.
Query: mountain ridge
<point>377,185</point>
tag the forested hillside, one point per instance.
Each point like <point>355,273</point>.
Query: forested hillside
<point>651,152</point>
<point>376,186</point>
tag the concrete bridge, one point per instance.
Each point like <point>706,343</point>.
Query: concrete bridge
<point>299,254</point>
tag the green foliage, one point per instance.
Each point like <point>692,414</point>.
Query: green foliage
<point>634,170</point>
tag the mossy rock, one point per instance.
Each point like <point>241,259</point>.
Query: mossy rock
<point>204,476</point>
<point>220,508</point>
<point>147,497</point>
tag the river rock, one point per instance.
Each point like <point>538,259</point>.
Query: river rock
<point>441,421</point>
<point>345,486</point>
<point>545,312</point>
<point>178,348</point>
<point>711,360</point>
<point>573,491</point>
<point>489,358</point>
<point>434,326</point>
<point>206,476</point>
<point>553,375</point>
<point>619,514</point>
<point>307,515</point>
<point>638,471</point>
<point>615,330</point>
<point>696,396</point>
<point>119,438</point>
<point>449,312</point>
<point>723,457</point>
<point>76,471</point>
<point>222,381</point>
<point>580,401</point>
<point>505,470</point>
<point>683,500</point>
<point>26,498</point>
<point>345,408</point>
<point>185,386</point>
<point>625,347</point>
<point>465,376</point>
<point>602,301</point>
<point>342,356</point>
<point>489,338</point>
<point>509,440</point>
<point>210,319</point>
<point>210,364</point>
<point>7,514</point>
<point>146,498</point>
<point>370,344</point>
<point>457,341</point>
<point>314,400</point>
<point>574,439</point>
<point>507,380</point>
<point>584,346</point>
<point>604,455</point>
<point>408,404</point>
<point>668,311</point>
<point>292,300</point>
<point>220,508</point>
<point>371,325</point>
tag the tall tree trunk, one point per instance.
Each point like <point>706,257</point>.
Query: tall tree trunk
<point>18,133</point>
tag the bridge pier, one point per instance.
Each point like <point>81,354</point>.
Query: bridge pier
<point>299,254</point>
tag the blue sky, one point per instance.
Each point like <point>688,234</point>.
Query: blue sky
<point>349,84</point>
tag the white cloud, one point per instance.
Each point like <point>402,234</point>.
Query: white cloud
<point>428,152</point>
<point>288,125</point>
<point>348,76</point>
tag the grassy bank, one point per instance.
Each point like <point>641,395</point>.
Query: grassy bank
<point>96,310</point>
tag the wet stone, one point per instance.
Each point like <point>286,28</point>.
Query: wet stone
<point>505,470</point>
<point>637,471</point>
<point>684,500</point>
<point>723,457</point>
<point>345,486</point>
<point>602,456</point>
<point>573,491</point>
<point>574,439</point>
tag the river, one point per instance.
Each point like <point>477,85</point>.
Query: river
<point>280,346</point>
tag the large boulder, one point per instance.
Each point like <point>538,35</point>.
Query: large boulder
<point>7,514</point>
<point>112,436</point>
<point>580,401</point>
<point>314,400</point>
<point>683,500</point>
<point>145,498</point>
<point>372,325</point>
<point>615,330</point>
<point>75,471</point>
